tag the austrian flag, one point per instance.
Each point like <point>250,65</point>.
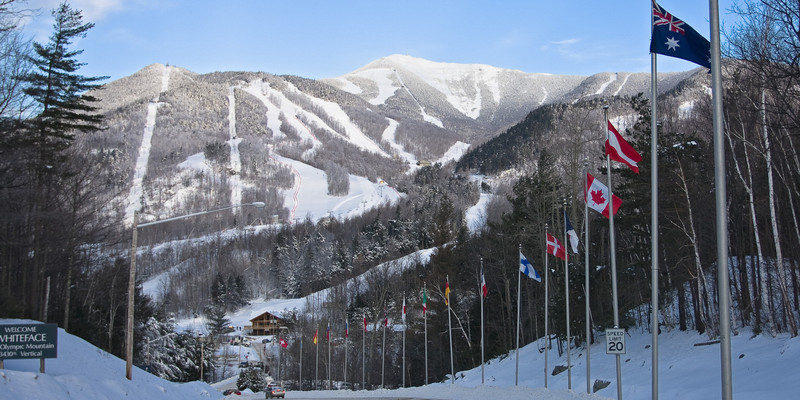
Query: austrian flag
<point>596,196</point>
<point>619,150</point>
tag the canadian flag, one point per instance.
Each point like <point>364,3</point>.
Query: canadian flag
<point>596,196</point>
<point>555,248</point>
<point>619,150</point>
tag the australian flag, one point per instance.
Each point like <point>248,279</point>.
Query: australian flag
<point>673,37</point>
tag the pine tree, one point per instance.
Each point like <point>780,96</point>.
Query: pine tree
<point>61,94</point>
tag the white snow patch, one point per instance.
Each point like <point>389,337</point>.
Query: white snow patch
<point>388,136</point>
<point>134,202</point>
<point>454,153</point>
<point>605,85</point>
<point>623,84</point>
<point>310,199</point>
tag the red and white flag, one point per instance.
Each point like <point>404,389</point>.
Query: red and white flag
<point>484,289</point>
<point>284,343</point>
<point>404,309</point>
<point>555,248</point>
<point>619,150</point>
<point>596,196</point>
<point>365,322</point>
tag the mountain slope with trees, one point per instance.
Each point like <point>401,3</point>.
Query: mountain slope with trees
<point>69,159</point>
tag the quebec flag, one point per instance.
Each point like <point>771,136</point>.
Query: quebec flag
<point>526,268</point>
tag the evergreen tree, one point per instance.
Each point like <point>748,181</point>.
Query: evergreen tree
<point>61,94</point>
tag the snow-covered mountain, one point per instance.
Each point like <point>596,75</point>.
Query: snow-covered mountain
<point>180,140</point>
<point>480,100</point>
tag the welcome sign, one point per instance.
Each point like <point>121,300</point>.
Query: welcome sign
<point>28,341</point>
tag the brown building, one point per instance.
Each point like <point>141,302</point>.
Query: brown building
<point>264,324</point>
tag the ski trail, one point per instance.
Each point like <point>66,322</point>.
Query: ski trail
<point>623,84</point>
<point>545,95</point>
<point>605,85</point>
<point>425,116</point>
<point>140,168</point>
<point>235,181</point>
<point>388,136</point>
<point>297,182</point>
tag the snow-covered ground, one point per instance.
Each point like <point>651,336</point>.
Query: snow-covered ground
<point>763,368</point>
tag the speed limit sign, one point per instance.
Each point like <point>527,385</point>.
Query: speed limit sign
<point>615,341</point>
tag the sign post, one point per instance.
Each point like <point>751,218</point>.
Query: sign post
<point>23,341</point>
<point>615,341</point>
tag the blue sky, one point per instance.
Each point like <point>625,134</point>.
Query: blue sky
<point>329,38</point>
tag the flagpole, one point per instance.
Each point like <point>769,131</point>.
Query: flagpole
<point>364,355</point>
<point>346,334</point>
<point>654,223</point>
<point>328,334</point>
<point>425,320</point>
<point>586,286</point>
<point>450,331</point>
<point>612,241</point>
<point>566,291</point>
<point>301,361</point>
<point>316,368</point>
<point>723,285</point>
<point>404,339</point>
<point>480,290</point>
<point>383,348</point>
<point>546,307</point>
<point>519,285</point>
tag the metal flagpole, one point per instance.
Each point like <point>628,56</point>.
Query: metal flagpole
<point>328,338</point>
<point>316,368</point>
<point>586,287</point>
<point>723,286</point>
<point>566,294</point>
<point>546,308</point>
<point>425,320</point>
<point>613,245</point>
<point>519,285</point>
<point>301,361</point>
<point>364,355</point>
<point>346,334</point>
<point>654,223</point>
<point>383,348</point>
<point>450,331</point>
<point>480,293</point>
<point>404,339</point>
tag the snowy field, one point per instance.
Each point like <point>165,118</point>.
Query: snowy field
<point>763,368</point>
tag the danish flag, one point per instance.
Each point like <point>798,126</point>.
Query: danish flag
<point>555,248</point>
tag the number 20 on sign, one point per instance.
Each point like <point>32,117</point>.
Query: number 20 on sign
<point>615,341</point>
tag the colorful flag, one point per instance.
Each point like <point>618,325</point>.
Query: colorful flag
<point>328,332</point>
<point>365,322</point>
<point>484,289</point>
<point>555,248</point>
<point>424,301</point>
<point>346,329</point>
<point>596,196</point>
<point>526,268</point>
<point>619,150</point>
<point>385,318</point>
<point>404,309</point>
<point>284,343</point>
<point>673,37</point>
<point>315,336</point>
<point>571,234</point>
<point>447,292</point>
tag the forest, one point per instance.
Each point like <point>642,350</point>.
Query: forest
<point>64,251</point>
